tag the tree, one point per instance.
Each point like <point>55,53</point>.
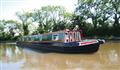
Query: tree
<point>115,5</point>
<point>50,18</point>
<point>24,16</point>
<point>2,25</point>
<point>8,28</point>
<point>101,12</point>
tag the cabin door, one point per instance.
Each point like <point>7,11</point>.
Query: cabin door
<point>71,37</point>
<point>66,38</point>
<point>77,36</point>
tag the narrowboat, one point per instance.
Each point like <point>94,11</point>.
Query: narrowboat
<point>66,41</point>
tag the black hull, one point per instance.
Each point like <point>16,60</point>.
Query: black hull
<point>65,49</point>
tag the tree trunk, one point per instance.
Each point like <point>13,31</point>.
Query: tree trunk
<point>116,26</point>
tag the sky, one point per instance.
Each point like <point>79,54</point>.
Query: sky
<point>8,8</point>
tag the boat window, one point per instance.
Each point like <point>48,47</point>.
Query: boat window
<point>61,36</point>
<point>40,38</point>
<point>36,38</point>
<point>79,38</point>
<point>74,36</point>
<point>55,37</point>
<point>66,35</point>
<point>70,36</point>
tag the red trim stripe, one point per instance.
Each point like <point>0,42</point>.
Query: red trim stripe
<point>86,43</point>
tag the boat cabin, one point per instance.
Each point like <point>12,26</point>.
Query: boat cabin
<point>59,36</point>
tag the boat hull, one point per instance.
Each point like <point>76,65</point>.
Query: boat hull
<point>60,47</point>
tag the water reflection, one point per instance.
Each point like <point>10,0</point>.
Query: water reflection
<point>9,59</point>
<point>113,57</point>
<point>13,57</point>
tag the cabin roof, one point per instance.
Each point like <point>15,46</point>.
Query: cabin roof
<point>66,30</point>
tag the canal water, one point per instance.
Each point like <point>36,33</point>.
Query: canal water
<point>15,58</point>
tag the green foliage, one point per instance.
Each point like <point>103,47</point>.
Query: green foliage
<point>51,18</point>
<point>102,13</point>
<point>24,17</point>
<point>7,30</point>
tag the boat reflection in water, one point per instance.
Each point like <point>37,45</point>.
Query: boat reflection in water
<point>13,57</point>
